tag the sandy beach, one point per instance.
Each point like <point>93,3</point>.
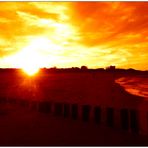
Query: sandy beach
<point>21,124</point>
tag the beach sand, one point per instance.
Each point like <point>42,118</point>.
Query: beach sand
<point>21,125</point>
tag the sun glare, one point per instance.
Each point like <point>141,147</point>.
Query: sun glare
<point>30,70</point>
<point>30,59</point>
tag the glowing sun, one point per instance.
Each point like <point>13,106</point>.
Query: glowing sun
<point>31,62</point>
<point>30,59</point>
<point>30,70</point>
<point>38,53</point>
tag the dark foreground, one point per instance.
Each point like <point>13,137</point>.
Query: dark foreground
<point>89,95</point>
<point>22,127</point>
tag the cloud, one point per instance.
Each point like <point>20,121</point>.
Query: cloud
<point>91,33</point>
<point>107,21</point>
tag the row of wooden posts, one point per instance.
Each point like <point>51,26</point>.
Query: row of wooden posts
<point>128,118</point>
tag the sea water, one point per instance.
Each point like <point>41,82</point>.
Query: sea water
<point>134,85</point>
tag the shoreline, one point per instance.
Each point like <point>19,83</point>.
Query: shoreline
<point>134,85</point>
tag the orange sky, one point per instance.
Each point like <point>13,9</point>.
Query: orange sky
<point>67,34</point>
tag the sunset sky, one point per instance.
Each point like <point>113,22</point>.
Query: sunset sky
<point>72,34</point>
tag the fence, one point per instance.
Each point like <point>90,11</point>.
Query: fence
<point>130,120</point>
